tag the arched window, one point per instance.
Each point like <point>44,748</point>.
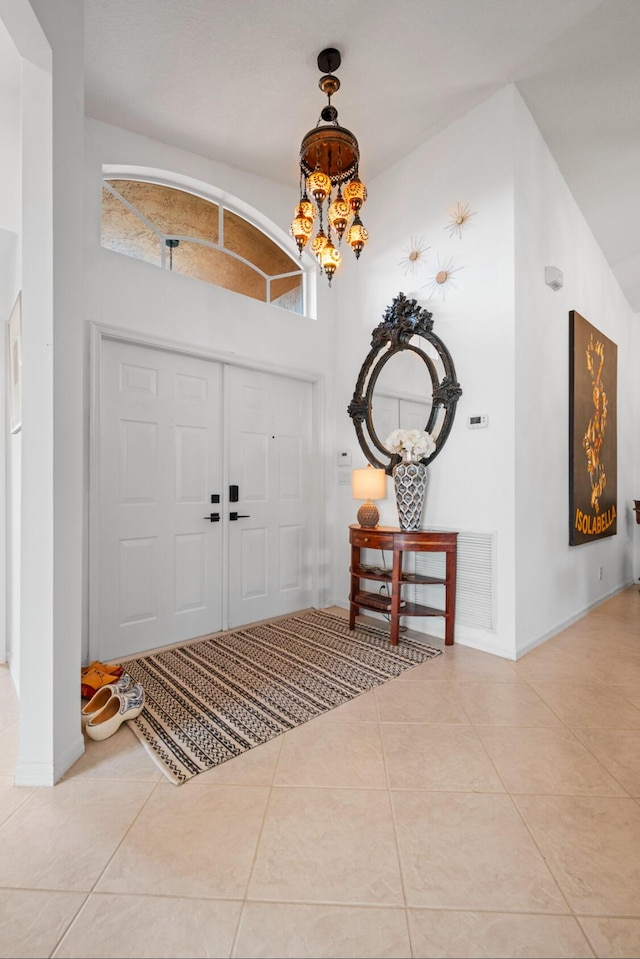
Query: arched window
<point>201,238</point>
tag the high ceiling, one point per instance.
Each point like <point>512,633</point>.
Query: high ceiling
<point>236,80</point>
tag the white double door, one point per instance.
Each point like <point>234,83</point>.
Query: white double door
<point>178,555</point>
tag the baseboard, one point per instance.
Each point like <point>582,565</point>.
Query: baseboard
<point>572,619</point>
<point>48,774</point>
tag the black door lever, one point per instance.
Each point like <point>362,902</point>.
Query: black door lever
<point>213,517</point>
<point>234,516</point>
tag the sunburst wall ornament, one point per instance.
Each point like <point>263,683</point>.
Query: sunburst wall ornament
<point>414,255</point>
<point>459,220</point>
<point>442,279</point>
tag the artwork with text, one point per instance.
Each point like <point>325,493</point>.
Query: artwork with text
<point>593,376</point>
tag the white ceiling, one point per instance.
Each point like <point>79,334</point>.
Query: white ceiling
<point>236,80</point>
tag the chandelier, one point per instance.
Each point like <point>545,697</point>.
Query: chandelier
<point>329,158</point>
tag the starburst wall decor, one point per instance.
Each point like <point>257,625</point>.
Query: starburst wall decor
<point>413,255</point>
<point>442,279</point>
<point>459,220</point>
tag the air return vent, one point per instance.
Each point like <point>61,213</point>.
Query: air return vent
<point>474,582</point>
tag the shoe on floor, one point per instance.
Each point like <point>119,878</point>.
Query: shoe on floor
<point>120,708</point>
<point>100,699</point>
<point>114,668</point>
<point>94,679</point>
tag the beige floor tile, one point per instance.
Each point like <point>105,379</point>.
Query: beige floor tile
<point>255,767</point>
<point>592,846</point>
<point>613,938</point>
<point>9,703</point>
<point>151,928</point>
<point>630,691</point>
<point>505,704</point>
<point>62,837</point>
<point>120,757</point>
<point>618,669</point>
<point>589,704</point>
<point>33,921</point>
<point>451,843</point>
<point>293,931</point>
<point>362,709</point>
<point>619,751</point>
<point>9,749</point>
<point>484,872</point>
<point>11,797</point>
<point>405,702</point>
<point>327,845</point>
<point>450,935</point>
<point>332,754</point>
<point>562,660</point>
<point>437,757</point>
<point>432,669</point>
<point>465,665</point>
<point>195,841</point>
<point>8,717</point>
<point>551,761</point>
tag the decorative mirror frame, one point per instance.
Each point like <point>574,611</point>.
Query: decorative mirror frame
<point>402,320</point>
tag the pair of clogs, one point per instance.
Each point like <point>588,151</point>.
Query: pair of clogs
<point>112,705</point>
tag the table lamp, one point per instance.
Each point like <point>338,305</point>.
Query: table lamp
<point>369,484</point>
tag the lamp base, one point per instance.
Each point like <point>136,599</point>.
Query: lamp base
<point>368,514</point>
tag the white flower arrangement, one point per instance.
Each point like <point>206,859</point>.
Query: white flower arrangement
<point>415,442</point>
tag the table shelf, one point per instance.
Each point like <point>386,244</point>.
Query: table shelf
<point>392,602</point>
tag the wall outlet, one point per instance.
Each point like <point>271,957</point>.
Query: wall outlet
<point>600,572</point>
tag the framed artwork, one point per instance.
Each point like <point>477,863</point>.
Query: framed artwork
<point>593,432</point>
<point>15,365</point>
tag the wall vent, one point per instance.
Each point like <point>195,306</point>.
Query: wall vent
<point>475,580</point>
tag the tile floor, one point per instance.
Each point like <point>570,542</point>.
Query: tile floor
<point>472,807</point>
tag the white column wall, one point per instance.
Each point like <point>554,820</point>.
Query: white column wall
<point>557,583</point>
<point>50,477</point>
<point>635,478</point>
<point>9,286</point>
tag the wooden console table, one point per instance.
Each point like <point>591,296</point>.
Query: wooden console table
<point>399,542</point>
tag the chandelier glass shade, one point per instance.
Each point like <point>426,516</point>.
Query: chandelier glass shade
<point>331,191</point>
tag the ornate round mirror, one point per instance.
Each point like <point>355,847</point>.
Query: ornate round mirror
<point>408,381</point>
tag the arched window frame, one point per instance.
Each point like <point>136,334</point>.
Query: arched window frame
<point>224,201</point>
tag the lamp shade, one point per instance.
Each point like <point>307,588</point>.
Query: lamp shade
<point>369,483</point>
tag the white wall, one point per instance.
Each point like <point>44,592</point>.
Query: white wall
<point>141,298</point>
<point>508,335</point>
<point>557,583</point>
<point>471,483</point>
<point>9,285</point>
<point>45,662</point>
<point>635,348</point>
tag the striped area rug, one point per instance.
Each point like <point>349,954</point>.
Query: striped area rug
<point>210,700</point>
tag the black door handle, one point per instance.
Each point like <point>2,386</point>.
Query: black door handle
<point>234,516</point>
<point>213,517</point>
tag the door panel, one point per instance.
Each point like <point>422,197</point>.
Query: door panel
<point>158,578</point>
<point>270,460</point>
<point>160,561</point>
